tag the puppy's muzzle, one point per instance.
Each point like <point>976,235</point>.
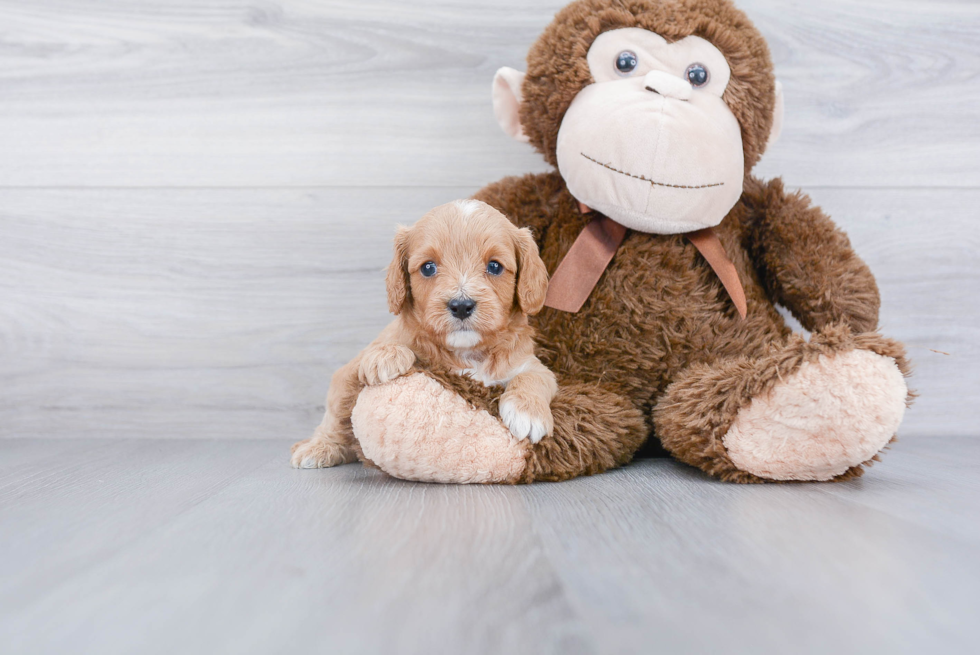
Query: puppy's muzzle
<point>461,308</point>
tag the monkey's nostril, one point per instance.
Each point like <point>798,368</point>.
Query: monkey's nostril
<point>461,308</point>
<point>650,88</point>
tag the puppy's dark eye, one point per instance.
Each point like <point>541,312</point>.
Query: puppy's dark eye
<point>495,268</point>
<point>626,62</point>
<point>428,269</point>
<point>697,75</point>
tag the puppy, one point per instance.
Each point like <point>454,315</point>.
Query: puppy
<point>462,283</point>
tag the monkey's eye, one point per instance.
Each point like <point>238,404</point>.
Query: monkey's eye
<point>697,75</point>
<point>495,268</point>
<point>626,62</point>
<point>428,269</point>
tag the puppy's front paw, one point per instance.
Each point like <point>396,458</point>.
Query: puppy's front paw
<point>384,363</point>
<point>526,417</point>
<point>319,454</point>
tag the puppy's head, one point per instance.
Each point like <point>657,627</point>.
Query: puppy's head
<point>463,272</point>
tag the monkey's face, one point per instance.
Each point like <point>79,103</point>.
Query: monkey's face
<point>651,143</point>
<point>642,131</point>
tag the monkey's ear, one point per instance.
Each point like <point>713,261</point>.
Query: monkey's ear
<point>397,281</point>
<point>777,117</point>
<point>532,276</point>
<point>507,101</point>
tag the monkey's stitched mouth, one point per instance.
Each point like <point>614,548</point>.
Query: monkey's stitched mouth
<point>653,182</point>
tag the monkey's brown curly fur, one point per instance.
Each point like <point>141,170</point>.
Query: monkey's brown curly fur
<point>660,316</point>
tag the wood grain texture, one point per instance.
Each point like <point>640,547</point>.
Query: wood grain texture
<point>123,546</point>
<point>223,313</point>
<point>764,569</point>
<point>381,93</point>
<point>188,313</point>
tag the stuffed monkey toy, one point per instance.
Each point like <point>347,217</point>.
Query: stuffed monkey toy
<point>667,259</point>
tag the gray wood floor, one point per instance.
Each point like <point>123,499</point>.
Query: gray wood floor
<point>208,546</point>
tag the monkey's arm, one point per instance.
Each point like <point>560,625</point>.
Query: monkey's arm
<point>528,201</point>
<point>806,262</point>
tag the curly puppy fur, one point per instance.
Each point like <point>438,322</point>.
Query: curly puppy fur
<point>440,262</point>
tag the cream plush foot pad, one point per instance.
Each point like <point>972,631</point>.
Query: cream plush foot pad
<point>830,415</point>
<point>415,429</point>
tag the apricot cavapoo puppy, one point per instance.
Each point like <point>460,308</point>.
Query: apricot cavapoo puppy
<point>462,282</point>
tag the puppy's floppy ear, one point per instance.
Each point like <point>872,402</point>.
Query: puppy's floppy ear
<point>398,281</point>
<point>532,276</point>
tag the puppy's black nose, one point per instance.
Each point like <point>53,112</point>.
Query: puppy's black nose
<point>461,307</point>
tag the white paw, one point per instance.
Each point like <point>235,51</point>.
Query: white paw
<point>308,462</point>
<point>303,458</point>
<point>523,424</point>
<point>315,454</point>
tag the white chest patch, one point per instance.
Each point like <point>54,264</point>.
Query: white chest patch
<point>463,339</point>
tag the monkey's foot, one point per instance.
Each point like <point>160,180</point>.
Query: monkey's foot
<point>831,414</point>
<point>414,428</point>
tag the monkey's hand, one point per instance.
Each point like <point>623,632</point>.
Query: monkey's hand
<point>384,362</point>
<point>808,262</point>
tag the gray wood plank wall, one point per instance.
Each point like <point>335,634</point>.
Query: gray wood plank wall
<point>197,197</point>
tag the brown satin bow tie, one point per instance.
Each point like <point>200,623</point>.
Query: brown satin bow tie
<point>583,265</point>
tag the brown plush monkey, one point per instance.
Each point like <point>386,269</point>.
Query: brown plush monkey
<point>659,240</point>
